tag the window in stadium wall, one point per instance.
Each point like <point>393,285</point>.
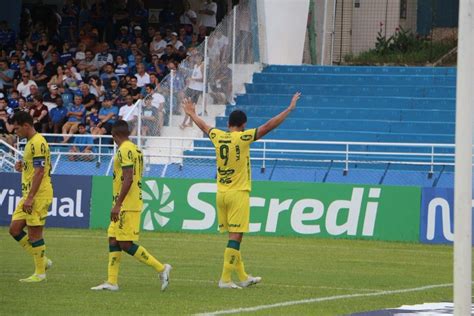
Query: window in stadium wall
<point>403,9</point>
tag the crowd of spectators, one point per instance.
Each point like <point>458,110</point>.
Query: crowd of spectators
<point>86,65</point>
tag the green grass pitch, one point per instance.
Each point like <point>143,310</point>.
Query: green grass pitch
<point>293,269</point>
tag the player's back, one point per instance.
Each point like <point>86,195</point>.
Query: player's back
<point>233,158</point>
<point>129,156</point>
<point>37,154</point>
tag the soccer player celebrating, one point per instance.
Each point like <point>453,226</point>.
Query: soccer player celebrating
<point>234,183</point>
<point>124,226</point>
<point>37,192</point>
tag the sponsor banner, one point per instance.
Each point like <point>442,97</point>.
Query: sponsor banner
<point>277,208</point>
<point>70,206</point>
<point>437,215</point>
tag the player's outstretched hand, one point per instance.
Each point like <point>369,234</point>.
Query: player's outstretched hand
<point>188,106</point>
<point>294,100</point>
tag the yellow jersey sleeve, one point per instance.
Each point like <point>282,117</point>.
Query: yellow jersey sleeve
<point>125,155</point>
<point>215,135</point>
<point>248,136</point>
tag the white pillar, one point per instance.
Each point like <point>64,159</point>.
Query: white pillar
<point>204,79</point>
<point>463,166</point>
<point>284,26</point>
<point>234,17</point>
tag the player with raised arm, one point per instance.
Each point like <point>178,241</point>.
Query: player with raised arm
<point>37,192</point>
<point>234,183</point>
<point>124,225</point>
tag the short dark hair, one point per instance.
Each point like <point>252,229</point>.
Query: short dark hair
<point>21,118</point>
<point>81,125</point>
<point>237,118</point>
<point>150,85</point>
<point>38,97</point>
<point>121,128</point>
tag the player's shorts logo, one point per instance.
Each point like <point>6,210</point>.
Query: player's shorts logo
<point>157,205</point>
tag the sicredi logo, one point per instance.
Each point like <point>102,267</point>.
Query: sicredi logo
<point>339,218</point>
<point>61,207</point>
<point>155,215</point>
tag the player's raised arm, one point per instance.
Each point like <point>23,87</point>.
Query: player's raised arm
<point>278,119</point>
<point>190,109</point>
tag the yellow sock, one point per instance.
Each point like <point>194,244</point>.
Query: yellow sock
<point>239,267</point>
<point>115,255</point>
<point>230,261</point>
<point>142,255</point>
<point>39,249</point>
<point>22,239</point>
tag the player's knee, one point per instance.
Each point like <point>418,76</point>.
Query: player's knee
<point>14,231</point>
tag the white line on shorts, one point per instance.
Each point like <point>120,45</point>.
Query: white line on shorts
<point>322,299</point>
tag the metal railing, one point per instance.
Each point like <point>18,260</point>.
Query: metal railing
<point>182,150</point>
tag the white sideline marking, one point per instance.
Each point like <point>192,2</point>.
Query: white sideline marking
<point>320,299</point>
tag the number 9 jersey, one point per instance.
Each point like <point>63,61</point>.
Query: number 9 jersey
<point>37,155</point>
<point>233,159</point>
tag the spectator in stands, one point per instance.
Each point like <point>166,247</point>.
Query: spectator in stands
<point>158,45</point>
<point>97,88</point>
<point>183,37</point>
<point>65,54</point>
<point>157,101</point>
<point>58,78</point>
<point>40,76</point>
<point>92,118</point>
<point>6,129</point>
<point>17,78</point>
<point>157,67</point>
<point>121,100</point>
<point>75,116</point>
<point>52,66</point>
<point>150,119</point>
<point>88,66</point>
<point>103,57</point>
<point>80,53</point>
<point>175,42</point>
<point>113,91</point>
<point>195,87</point>
<point>57,116</point>
<point>135,90</point>
<point>207,15</point>
<point>108,74</point>
<point>121,68</point>
<point>107,115</point>
<point>39,112</point>
<point>170,54</point>
<point>88,99</point>
<point>189,18</point>
<point>6,76</point>
<point>221,85</point>
<point>23,105</point>
<point>142,46</point>
<point>52,95</point>
<point>86,149</point>
<point>14,63</point>
<point>142,77</point>
<point>178,86</point>
<point>71,80</point>
<point>33,91</point>
<point>128,112</point>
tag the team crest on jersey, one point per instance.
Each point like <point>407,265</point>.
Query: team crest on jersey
<point>213,135</point>
<point>43,148</point>
<point>246,137</point>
